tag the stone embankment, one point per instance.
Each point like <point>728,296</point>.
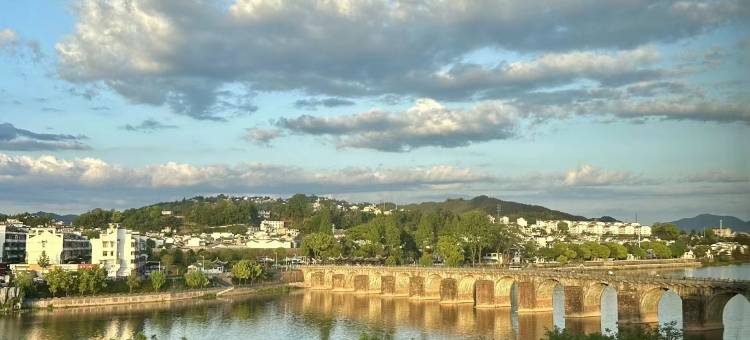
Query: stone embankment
<point>86,301</point>
<point>625,265</point>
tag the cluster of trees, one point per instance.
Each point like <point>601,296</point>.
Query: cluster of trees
<point>82,281</point>
<point>28,219</point>
<point>411,236</point>
<point>245,270</point>
<point>198,215</point>
<point>564,252</point>
<point>196,279</point>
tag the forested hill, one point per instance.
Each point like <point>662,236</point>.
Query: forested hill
<point>490,205</point>
<point>712,221</point>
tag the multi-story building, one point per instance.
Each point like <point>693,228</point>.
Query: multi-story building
<point>271,226</point>
<point>119,251</point>
<point>12,244</point>
<point>59,247</point>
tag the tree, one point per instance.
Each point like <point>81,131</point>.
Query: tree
<point>599,251</point>
<point>56,280</point>
<point>562,259</point>
<point>700,251</point>
<point>425,260</point>
<point>424,236</point>
<point>474,230</point>
<point>449,248</point>
<point>84,276</point>
<point>196,279</point>
<point>158,279</point>
<point>256,272</point>
<point>661,250</point>
<point>678,248</point>
<point>25,282</point>
<point>636,250</point>
<point>321,245</point>
<point>665,231</point>
<point>43,260</point>
<point>241,270</point>
<point>617,251</point>
<point>134,282</point>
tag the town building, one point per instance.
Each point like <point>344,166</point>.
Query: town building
<point>59,247</point>
<point>119,251</point>
<point>271,226</point>
<point>269,244</point>
<point>12,244</point>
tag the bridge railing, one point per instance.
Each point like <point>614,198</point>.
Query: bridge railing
<point>555,273</point>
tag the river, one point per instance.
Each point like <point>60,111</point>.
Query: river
<point>323,315</point>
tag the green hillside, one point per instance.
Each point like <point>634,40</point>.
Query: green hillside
<point>490,206</point>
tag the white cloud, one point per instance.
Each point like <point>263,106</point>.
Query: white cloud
<point>426,123</point>
<point>588,175</point>
<point>365,48</point>
<point>92,172</point>
<point>16,46</point>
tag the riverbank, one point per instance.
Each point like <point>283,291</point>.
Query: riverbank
<point>153,298</point>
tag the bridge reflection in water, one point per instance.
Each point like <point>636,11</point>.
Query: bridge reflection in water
<point>468,293</point>
<point>434,318</point>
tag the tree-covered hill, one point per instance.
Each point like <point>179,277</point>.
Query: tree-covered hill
<point>712,221</point>
<point>490,206</point>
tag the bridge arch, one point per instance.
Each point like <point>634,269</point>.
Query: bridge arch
<point>738,302</point>
<point>432,286</point>
<point>504,291</point>
<point>651,301</point>
<point>402,284</point>
<point>466,289</point>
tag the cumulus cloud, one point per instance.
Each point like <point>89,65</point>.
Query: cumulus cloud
<point>95,173</point>
<point>262,136</point>
<point>427,123</point>
<point>348,48</point>
<point>588,176</point>
<point>148,126</point>
<point>314,103</point>
<point>15,139</point>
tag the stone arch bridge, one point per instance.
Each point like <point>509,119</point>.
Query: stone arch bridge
<point>703,301</point>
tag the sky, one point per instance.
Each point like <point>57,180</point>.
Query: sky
<point>618,108</point>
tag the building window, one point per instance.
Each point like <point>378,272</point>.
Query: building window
<point>105,254</point>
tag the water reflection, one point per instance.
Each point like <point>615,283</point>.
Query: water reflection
<point>326,315</point>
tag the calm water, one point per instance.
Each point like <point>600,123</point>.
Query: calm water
<point>322,315</point>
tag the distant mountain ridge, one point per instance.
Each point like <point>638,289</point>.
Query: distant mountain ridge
<point>490,206</point>
<point>712,221</point>
<point>67,219</point>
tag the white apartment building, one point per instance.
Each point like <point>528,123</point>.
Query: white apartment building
<point>59,247</point>
<point>12,244</point>
<point>119,251</point>
<point>270,226</point>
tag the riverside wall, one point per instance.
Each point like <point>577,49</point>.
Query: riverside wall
<point>626,265</point>
<point>115,299</point>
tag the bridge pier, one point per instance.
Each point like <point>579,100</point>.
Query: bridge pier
<point>582,302</point>
<point>416,287</point>
<point>387,285</point>
<point>702,312</point>
<point>485,294</point>
<point>530,300</point>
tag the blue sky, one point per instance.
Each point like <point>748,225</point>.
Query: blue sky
<point>116,104</point>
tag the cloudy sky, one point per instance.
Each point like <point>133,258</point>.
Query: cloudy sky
<point>591,107</point>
